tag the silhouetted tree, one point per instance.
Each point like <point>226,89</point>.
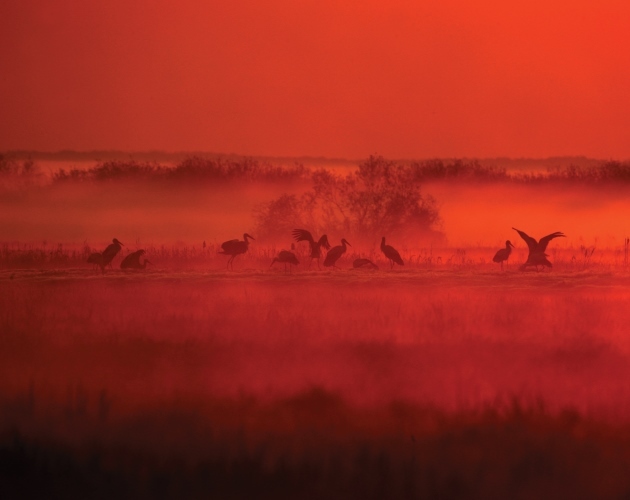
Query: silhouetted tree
<point>381,197</point>
<point>279,217</point>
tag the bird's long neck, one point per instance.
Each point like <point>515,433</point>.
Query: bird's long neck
<point>383,244</point>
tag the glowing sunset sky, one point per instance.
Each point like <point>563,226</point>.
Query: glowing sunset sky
<point>331,78</point>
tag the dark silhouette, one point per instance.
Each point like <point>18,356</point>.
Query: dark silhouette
<point>364,264</point>
<point>132,261</point>
<point>235,247</point>
<point>334,253</point>
<point>110,252</point>
<point>316,252</point>
<point>503,254</point>
<point>96,259</point>
<point>391,253</point>
<point>286,257</point>
<point>537,256</point>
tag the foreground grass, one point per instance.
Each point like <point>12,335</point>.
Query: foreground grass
<point>405,384</point>
<point>313,445</point>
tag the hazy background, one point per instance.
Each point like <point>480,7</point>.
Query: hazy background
<point>403,79</point>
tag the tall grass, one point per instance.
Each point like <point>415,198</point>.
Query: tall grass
<point>326,386</point>
<point>206,256</point>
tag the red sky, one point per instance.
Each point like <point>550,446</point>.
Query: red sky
<point>399,78</point>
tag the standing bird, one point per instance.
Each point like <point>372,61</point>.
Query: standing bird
<point>235,247</point>
<point>132,261</point>
<point>537,256</point>
<point>334,253</point>
<point>391,253</point>
<point>503,254</point>
<point>96,259</point>
<point>110,252</point>
<point>364,264</point>
<point>286,257</point>
<point>316,246</point>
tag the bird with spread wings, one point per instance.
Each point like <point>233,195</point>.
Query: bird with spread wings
<point>537,256</point>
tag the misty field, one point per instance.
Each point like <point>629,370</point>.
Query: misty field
<point>411,383</point>
<point>448,377</point>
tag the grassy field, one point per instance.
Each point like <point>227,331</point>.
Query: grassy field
<point>449,382</point>
<point>445,378</point>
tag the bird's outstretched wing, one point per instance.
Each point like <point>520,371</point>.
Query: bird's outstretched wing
<point>323,242</point>
<point>542,244</point>
<point>302,235</point>
<point>531,242</point>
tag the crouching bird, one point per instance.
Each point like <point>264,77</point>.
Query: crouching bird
<point>364,264</point>
<point>132,261</point>
<point>96,259</point>
<point>285,257</point>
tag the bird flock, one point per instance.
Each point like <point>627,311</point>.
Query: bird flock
<point>537,256</point>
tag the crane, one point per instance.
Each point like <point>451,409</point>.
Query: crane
<point>392,254</point>
<point>537,256</point>
<point>235,247</point>
<point>335,253</point>
<point>111,251</point>
<point>503,254</point>
<point>316,246</point>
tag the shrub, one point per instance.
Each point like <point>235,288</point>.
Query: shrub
<point>380,198</point>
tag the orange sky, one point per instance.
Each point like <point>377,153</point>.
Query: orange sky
<point>399,78</point>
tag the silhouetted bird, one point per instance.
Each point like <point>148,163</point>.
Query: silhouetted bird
<point>286,257</point>
<point>504,253</point>
<point>96,259</point>
<point>334,253</point>
<point>364,264</point>
<point>235,247</point>
<point>132,261</point>
<point>537,256</point>
<point>110,252</point>
<point>391,253</point>
<point>316,252</point>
